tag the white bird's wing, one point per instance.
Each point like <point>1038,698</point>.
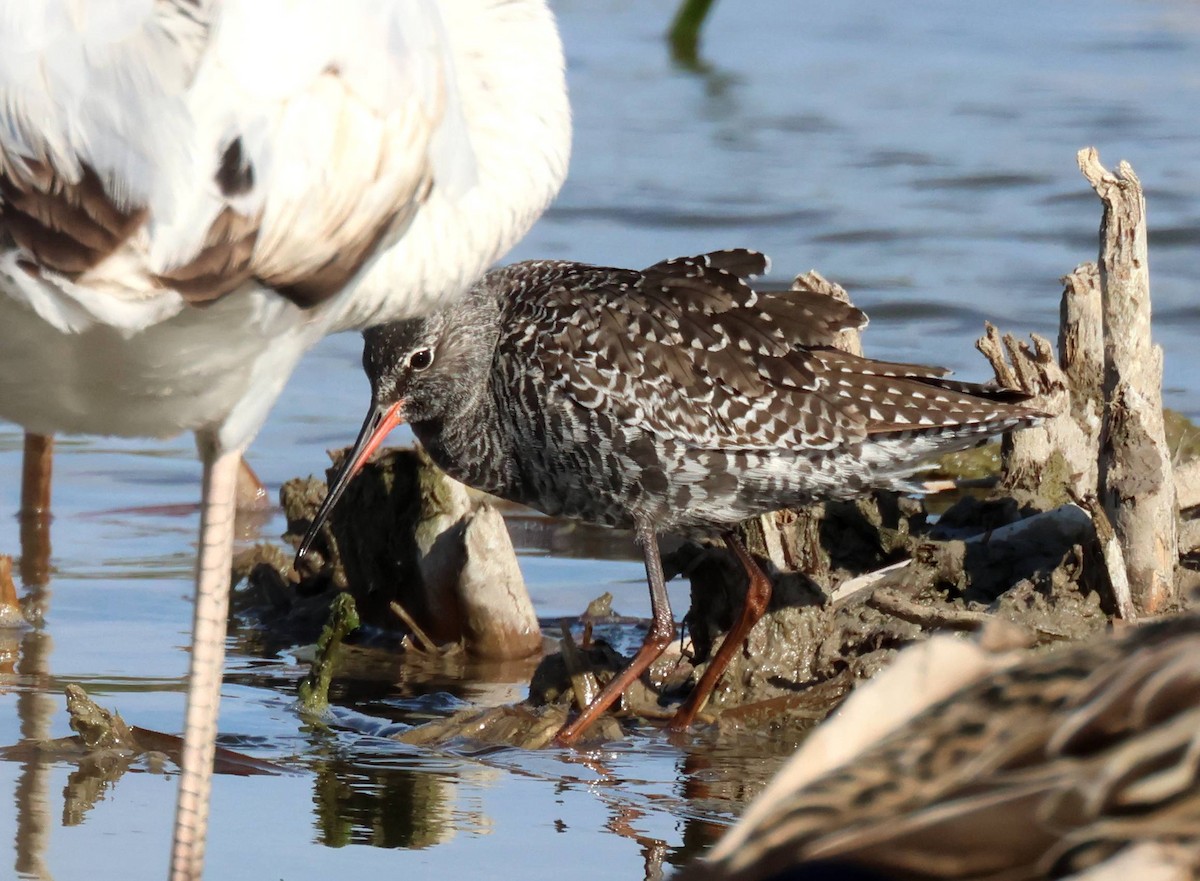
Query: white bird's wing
<point>179,149</point>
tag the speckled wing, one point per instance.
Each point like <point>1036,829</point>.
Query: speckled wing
<point>687,349</point>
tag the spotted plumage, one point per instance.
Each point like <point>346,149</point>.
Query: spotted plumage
<point>676,394</point>
<point>673,399</point>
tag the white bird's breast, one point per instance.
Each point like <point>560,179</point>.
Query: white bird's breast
<point>217,367</point>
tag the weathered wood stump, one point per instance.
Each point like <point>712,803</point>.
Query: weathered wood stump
<point>408,534</point>
<point>1106,446</point>
<point>1136,485</point>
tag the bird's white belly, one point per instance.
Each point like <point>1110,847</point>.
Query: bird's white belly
<point>218,367</point>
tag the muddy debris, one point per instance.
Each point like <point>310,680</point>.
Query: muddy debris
<point>104,748</point>
<point>101,735</point>
<point>519,725</point>
<point>564,680</point>
<point>409,535</point>
<point>98,729</point>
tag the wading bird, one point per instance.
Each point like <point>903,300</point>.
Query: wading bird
<point>675,399</point>
<point>194,192</point>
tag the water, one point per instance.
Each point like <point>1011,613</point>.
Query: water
<point>923,156</point>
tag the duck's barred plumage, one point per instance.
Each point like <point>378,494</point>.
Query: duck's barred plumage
<point>1038,771</point>
<point>677,394</point>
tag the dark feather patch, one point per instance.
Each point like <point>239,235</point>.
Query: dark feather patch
<point>66,227</point>
<point>235,173</point>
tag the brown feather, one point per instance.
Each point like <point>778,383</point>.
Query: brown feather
<point>729,368</point>
<point>1039,770</point>
<point>67,227</point>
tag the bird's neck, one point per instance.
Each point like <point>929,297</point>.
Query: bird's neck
<point>471,446</point>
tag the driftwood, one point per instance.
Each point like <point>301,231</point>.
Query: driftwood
<point>1113,559</point>
<point>1106,440</point>
<point>1059,528</point>
<point>1081,354</point>
<point>412,536</point>
<point>849,340</point>
<point>1057,459</point>
<point>1136,485</point>
<point>1187,485</point>
<point>1040,462</point>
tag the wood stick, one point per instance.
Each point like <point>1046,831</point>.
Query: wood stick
<point>849,340</point>
<point>1081,354</point>
<point>1136,485</point>
<point>1113,558</point>
<point>893,603</point>
<point>1187,484</point>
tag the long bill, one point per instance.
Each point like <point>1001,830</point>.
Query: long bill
<point>379,422</point>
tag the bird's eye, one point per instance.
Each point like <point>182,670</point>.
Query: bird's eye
<point>420,359</point>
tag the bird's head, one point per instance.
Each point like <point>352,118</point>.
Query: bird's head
<point>423,371</point>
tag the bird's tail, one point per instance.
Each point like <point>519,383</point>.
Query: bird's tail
<point>913,413</point>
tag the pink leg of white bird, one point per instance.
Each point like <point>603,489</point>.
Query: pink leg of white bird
<point>208,659</point>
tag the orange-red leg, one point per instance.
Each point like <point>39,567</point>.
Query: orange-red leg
<point>36,470</point>
<point>662,631</point>
<point>758,596</point>
<point>251,493</point>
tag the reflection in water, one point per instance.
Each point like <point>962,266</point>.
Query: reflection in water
<point>671,804</point>
<point>383,802</point>
<point>654,850</point>
<point>401,802</point>
<point>35,708</point>
<point>88,783</point>
<point>716,782</point>
<point>380,807</point>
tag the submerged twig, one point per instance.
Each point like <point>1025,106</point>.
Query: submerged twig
<point>684,34</point>
<point>583,681</point>
<point>424,643</point>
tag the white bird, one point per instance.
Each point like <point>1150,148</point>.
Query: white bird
<point>194,192</point>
